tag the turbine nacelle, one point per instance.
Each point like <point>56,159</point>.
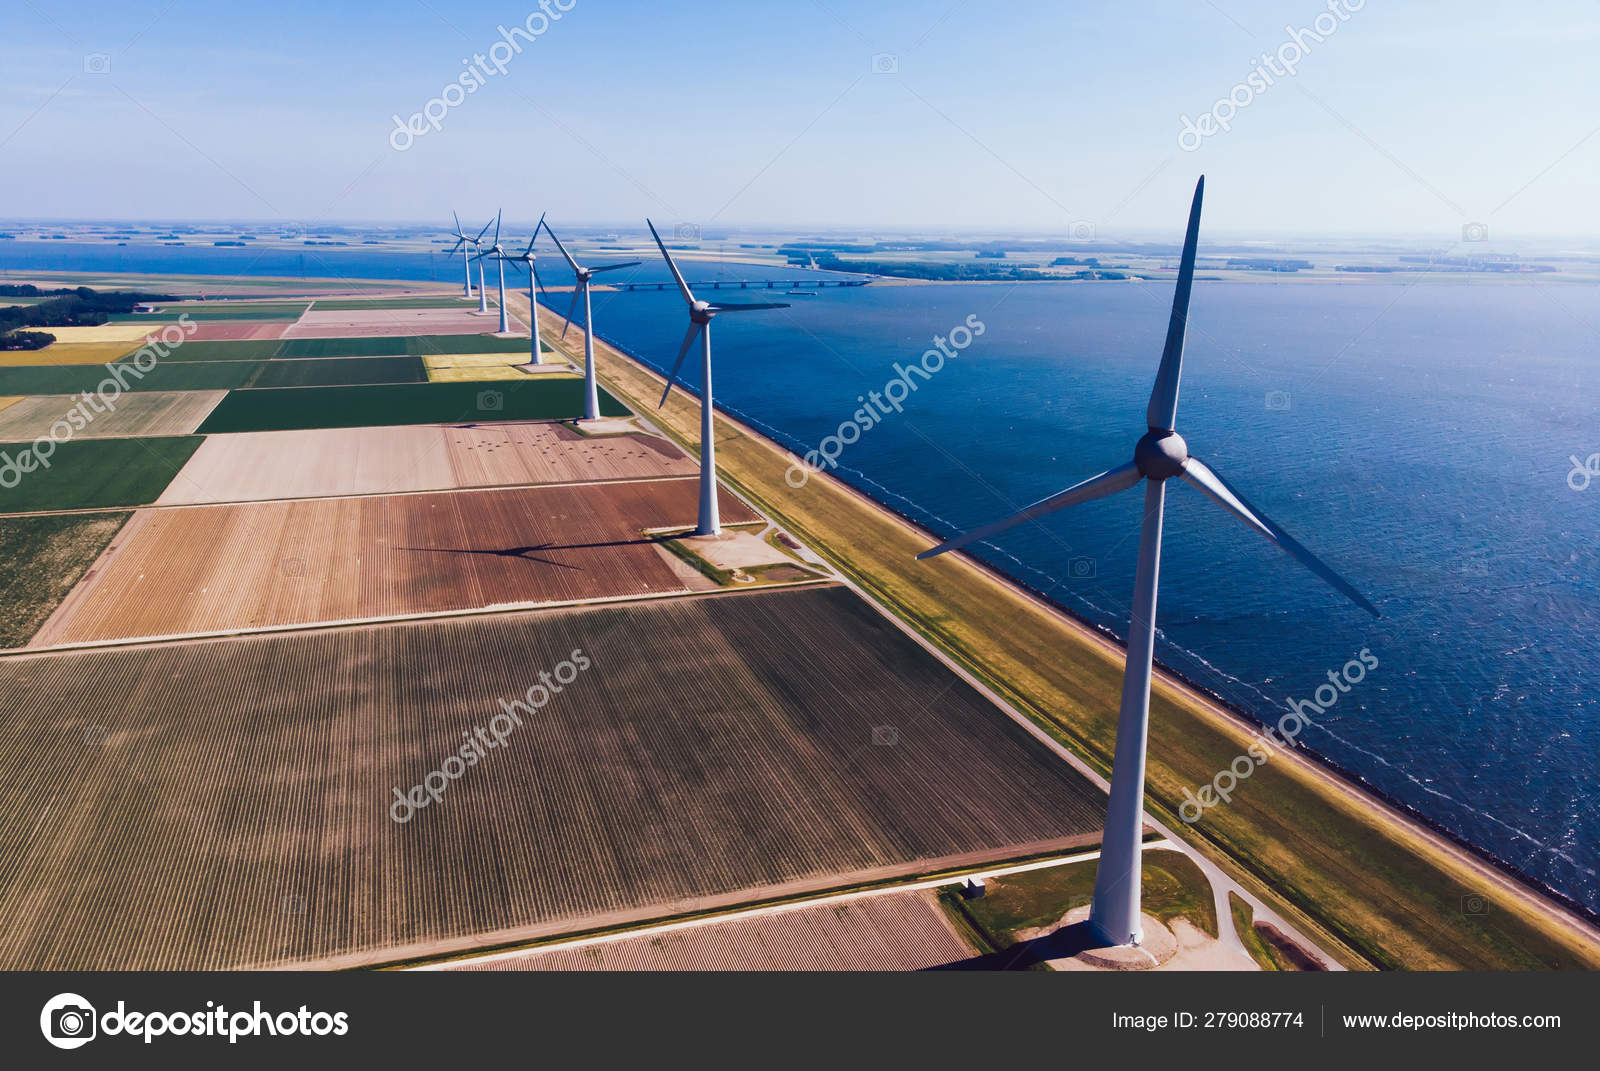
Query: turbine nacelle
<point>700,312</point>
<point>1161,454</point>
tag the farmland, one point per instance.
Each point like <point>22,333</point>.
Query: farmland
<point>393,322</point>
<point>547,398</point>
<point>146,413</point>
<point>278,758</point>
<point>338,371</point>
<point>211,312</point>
<point>98,473</point>
<point>900,931</point>
<point>317,463</point>
<point>166,376</point>
<point>40,559</point>
<point>441,301</point>
<point>415,345</point>
<point>232,350</point>
<point>96,353</point>
<point>211,568</point>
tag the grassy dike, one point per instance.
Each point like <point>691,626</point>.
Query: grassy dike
<point>1374,887</point>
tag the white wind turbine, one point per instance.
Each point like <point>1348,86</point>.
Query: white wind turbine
<point>1159,455</point>
<point>700,314</point>
<point>591,390</point>
<point>462,241</point>
<point>497,253</point>
<point>525,260</point>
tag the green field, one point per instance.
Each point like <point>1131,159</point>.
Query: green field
<point>254,349</point>
<point>73,379</point>
<point>99,473</point>
<point>40,559</point>
<point>415,345</point>
<point>339,371</point>
<point>405,403</point>
<point>438,301</point>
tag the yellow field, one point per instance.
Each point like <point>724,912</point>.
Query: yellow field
<point>473,367</point>
<point>104,332</point>
<point>68,352</point>
<point>8,401</point>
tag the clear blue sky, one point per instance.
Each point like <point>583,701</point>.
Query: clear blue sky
<point>1410,118</point>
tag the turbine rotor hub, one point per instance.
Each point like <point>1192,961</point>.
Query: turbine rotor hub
<point>700,312</point>
<point>1160,454</point>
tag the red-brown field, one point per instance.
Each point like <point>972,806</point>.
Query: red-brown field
<point>252,466</point>
<point>353,323</point>
<point>189,569</point>
<point>903,931</point>
<point>231,330</point>
<point>228,803</point>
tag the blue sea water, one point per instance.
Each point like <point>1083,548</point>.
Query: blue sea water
<point>1416,435</point>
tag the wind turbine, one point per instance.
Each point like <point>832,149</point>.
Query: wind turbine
<point>1158,456</point>
<point>462,241</point>
<point>495,251</point>
<point>591,391</point>
<point>700,314</point>
<point>526,258</point>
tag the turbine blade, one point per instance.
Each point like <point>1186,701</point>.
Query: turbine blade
<point>529,251</point>
<point>457,221</point>
<point>1163,410</point>
<point>481,233</point>
<point>535,270</point>
<point>1213,486</point>
<point>683,351</point>
<point>570,262</point>
<point>1107,483</point>
<point>614,267</point>
<point>577,292</point>
<point>497,227</point>
<point>515,263</point>
<point>746,306</point>
<point>676,274</point>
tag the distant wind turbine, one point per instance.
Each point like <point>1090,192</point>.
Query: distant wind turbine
<point>700,314</point>
<point>462,241</point>
<point>1159,455</point>
<point>526,258</point>
<point>591,390</point>
<point>495,252</point>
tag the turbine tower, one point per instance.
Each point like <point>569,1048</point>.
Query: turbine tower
<point>462,241</point>
<point>591,390</point>
<point>495,251</point>
<point>1159,455</point>
<point>700,314</point>
<point>524,261</point>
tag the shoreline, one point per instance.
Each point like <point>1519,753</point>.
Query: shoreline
<point>1378,807</point>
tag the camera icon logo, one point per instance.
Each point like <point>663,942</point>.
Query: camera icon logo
<point>96,63</point>
<point>1474,232</point>
<point>1474,905</point>
<point>885,735</point>
<point>1278,399</point>
<point>885,63</point>
<point>1082,568</point>
<point>491,401</point>
<point>687,232</point>
<point>1081,230</point>
<point>68,1021</point>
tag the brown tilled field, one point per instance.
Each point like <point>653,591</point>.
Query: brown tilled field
<point>137,413</point>
<point>227,803</point>
<point>189,569</point>
<point>227,330</point>
<point>386,323</point>
<point>357,461</point>
<point>904,931</point>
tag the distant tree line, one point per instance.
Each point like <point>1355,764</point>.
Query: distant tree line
<point>67,307</point>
